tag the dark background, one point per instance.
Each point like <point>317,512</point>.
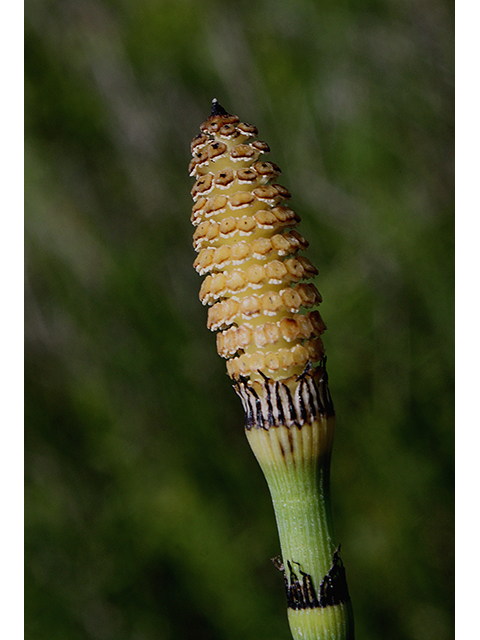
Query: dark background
<point>147,517</point>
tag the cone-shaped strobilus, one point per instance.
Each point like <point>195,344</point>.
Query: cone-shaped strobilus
<point>262,305</point>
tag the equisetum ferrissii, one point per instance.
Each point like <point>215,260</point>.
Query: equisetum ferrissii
<point>262,307</point>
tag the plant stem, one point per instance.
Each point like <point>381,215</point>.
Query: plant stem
<point>261,303</point>
<point>295,460</point>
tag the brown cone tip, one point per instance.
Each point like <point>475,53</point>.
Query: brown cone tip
<point>217,109</point>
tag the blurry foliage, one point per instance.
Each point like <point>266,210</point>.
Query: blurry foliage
<point>147,516</point>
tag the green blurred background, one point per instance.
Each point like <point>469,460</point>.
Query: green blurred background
<point>147,517</point>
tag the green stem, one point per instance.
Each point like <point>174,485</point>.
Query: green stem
<point>296,463</point>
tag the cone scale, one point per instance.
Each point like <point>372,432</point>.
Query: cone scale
<point>262,306</point>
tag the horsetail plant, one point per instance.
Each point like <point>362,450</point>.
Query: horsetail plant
<point>261,306</point>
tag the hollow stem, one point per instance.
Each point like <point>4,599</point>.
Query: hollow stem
<point>295,460</point>
<point>261,304</point>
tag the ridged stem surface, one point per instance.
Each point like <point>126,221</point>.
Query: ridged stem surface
<point>296,465</point>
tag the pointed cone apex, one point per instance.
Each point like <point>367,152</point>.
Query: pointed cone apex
<point>217,109</point>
